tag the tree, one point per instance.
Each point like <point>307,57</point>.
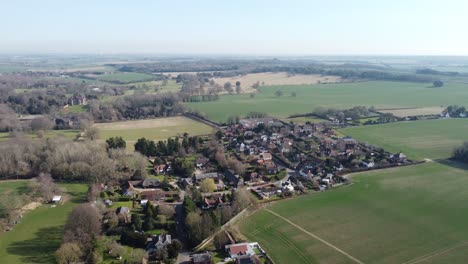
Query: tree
<point>166,210</point>
<point>242,199</point>
<point>91,133</point>
<point>228,87</point>
<point>83,226</point>
<point>116,143</point>
<point>193,223</point>
<point>207,185</point>
<point>293,94</point>
<point>238,87</point>
<point>41,124</point>
<point>136,222</point>
<point>438,83</point>
<point>279,93</point>
<point>45,186</point>
<point>68,253</point>
<point>461,153</point>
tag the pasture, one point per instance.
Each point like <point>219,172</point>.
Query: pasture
<point>124,77</point>
<point>154,129</point>
<point>433,139</point>
<point>382,95</point>
<point>414,214</point>
<point>40,232</point>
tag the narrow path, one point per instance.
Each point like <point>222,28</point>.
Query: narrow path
<point>436,253</point>
<point>316,237</point>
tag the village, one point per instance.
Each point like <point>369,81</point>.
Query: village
<point>271,159</point>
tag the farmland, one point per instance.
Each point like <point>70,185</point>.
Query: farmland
<point>434,139</point>
<point>390,216</point>
<point>39,234</point>
<point>382,95</point>
<point>124,77</point>
<point>271,79</point>
<point>436,110</point>
<point>154,129</point>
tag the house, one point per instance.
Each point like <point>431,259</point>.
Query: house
<point>123,213</point>
<point>77,99</point>
<point>240,249</point>
<point>186,182</point>
<point>153,195</point>
<point>266,156</point>
<point>247,259</point>
<point>202,258</point>
<point>202,176</point>
<point>201,162</point>
<point>151,183</point>
<point>232,178</point>
<point>160,168</point>
<point>212,203</point>
<point>271,167</point>
<point>157,242</point>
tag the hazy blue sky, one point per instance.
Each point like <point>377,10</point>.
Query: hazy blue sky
<point>397,27</point>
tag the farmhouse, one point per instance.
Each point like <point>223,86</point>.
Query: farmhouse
<point>240,249</point>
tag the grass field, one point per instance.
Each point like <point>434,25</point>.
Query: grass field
<point>433,139</point>
<point>396,215</point>
<point>125,77</point>
<point>155,129</point>
<point>383,95</point>
<point>39,234</point>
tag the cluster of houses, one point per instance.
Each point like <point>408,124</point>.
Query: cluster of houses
<point>151,190</point>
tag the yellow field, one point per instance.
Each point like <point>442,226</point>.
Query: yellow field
<point>414,111</point>
<point>154,129</point>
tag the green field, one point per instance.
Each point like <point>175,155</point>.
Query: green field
<point>39,234</point>
<point>154,129</point>
<point>433,139</point>
<point>388,216</point>
<point>125,77</point>
<point>342,95</point>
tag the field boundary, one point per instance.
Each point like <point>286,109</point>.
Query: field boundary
<point>317,237</point>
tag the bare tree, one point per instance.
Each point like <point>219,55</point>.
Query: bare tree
<point>68,253</point>
<point>41,123</point>
<point>83,226</point>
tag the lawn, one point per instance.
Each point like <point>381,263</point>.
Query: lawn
<point>383,95</point>
<point>433,139</point>
<point>39,234</point>
<point>155,129</point>
<point>388,216</point>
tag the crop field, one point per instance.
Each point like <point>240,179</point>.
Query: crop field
<point>414,214</point>
<point>433,139</point>
<point>150,87</point>
<point>275,78</point>
<point>382,95</point>
<point>40,232</point>
<point>436,110</point>
<point>124,77</point>
<point>155,129</point>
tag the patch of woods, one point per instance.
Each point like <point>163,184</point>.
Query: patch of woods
<point>68,160</point>
<point>461,153</point>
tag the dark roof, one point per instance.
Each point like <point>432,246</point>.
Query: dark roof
<point>206,175</point>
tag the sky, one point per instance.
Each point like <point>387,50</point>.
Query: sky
<point>241,27</point>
